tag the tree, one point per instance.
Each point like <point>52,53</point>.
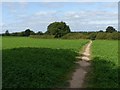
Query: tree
<point>39,33</point>
<point>14,34</point>
<point>32,33</point>
<point>101,35</point>
<point>58,29</point>
<point>22,33</point>
<point>92,36</point>
<point>7,33</point>
<point>28,32</point>
<point>110,29</point>
<point>101,31</point>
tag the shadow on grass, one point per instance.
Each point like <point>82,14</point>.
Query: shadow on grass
<point>36,67</point>
<point>103,74</point>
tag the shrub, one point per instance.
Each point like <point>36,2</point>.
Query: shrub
<point>74,36</point>
<point>42,36</point>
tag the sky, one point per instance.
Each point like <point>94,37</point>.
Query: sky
<point>80,16</point>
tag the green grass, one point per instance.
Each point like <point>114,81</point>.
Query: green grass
<point>16,42</point>
<point>104,71</point>
<point>38,63</point>
<point>0,42</point>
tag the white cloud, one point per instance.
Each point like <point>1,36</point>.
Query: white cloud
<point>94,16</point>
<point>76,16</point>
<point>104,22</point>
<point>112,5</point>
<point>82,20</point>
<point>77,20</point>
<point>45,13</point>
<point>1,23</point>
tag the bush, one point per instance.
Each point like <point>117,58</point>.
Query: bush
<point>92,36</point>
<point>101,35</point>
<point>108,36</point>
<point>42,36</point>
<point>74,36</point>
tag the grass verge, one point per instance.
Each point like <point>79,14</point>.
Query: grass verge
<point>104,69</point>
<point>36,67</point>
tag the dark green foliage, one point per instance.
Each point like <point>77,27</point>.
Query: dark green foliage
<point>21,34</point>
<point>18,34</point>
<point>14,34</point>
<point>58,29</point>
<point>108,36</point>
<point>110,29</point>
<point>43,36</point>
<point>101,35</point>
<point>104,65</point>
<point>61,30</point>
<point>101,31</point>
<point>36,67</point>
<point>74,36</point>
<point>111,34</point>
<point>104,74</point>
<point>7,33</point>
<point>39,33</point>
<point>116,36</point>
<point>92,36</point>
<point>79,35</point>
<point>28,32</point>
<point>32,33</point>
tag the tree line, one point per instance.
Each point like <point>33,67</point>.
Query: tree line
<point>27,33</point>
<point>62,30</point>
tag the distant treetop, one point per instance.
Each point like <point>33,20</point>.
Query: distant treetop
<point>58,29</point>
<point>110,29</point>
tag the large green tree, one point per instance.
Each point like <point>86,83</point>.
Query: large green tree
<point>110,29</point>
<point>58,29</point>
<point>7,33</point>
<point>28,32</point>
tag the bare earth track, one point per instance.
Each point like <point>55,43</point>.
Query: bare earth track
<point>84,64</point>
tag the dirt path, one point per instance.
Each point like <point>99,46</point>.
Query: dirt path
<point>79,74</point>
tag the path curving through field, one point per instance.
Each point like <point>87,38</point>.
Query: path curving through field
<point>78,76</point>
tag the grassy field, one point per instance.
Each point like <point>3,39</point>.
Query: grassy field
<point>16,42</point>
<point>46,63</point>
<point>104,71</point>
<point>38,63</point>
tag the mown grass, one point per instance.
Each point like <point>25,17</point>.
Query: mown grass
<point>104,70</point>
<point>38,63</point>
<point>16,42</point>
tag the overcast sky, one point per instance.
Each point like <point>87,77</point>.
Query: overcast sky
<point>80,16</point>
